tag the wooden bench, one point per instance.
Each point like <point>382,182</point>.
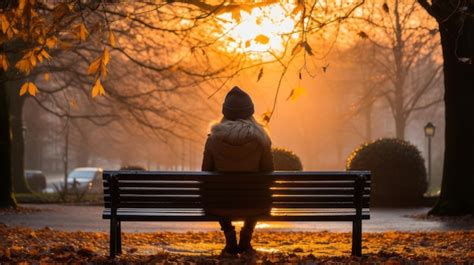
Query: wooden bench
<point>178,196</point>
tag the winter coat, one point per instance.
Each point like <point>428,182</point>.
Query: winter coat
<point>238,146</point>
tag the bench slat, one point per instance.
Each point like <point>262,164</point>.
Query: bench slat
<point>182,185</point>
<point>244,177</point>
<point>181,218</point>
<point>156,184</point>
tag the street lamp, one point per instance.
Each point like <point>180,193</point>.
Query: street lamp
<point>430,130</point>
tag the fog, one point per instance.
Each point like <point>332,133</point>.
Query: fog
<point>347,99</point>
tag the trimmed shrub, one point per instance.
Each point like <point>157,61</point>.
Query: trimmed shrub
<point>398,171</point>
<point>286,160</point>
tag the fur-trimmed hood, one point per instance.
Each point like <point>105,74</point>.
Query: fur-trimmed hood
<point>238,145</point>
<point>238,132</point>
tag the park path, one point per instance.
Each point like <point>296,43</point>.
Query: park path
<point>88,218</point>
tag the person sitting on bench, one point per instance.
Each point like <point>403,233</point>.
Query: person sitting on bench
<point>238,143</point>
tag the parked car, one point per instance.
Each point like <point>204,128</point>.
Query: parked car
<point>86,179</point>
<point>36,180</point>
<point>132,167</point>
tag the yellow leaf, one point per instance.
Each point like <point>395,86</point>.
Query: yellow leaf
<point>32,89</point>
<point>46,76</point>
<point>5,24</point>
<point>33,59</point>
<point>40,40</point>
<point>45,54</point>
<point>51,42</point>
<point>262,39</point>
<point>21,4</point>
<point>4,61</point>
<point>106,56</point>
<point>94,66</point>
<point>103,71</point>
<point>112,40</point>
<point>98,89</point>
<point>40,57</point>
<point>83,33</point>
<point>24,65</point>
<point>23,89</point>
<point>296,93</point>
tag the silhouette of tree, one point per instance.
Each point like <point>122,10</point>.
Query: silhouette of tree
<point>456,26</point>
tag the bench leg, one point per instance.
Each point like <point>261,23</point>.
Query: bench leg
<point>119,238</point>
<point>357,238</point>
<point>113,238</point>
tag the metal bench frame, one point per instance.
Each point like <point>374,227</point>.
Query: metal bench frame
<point>314,196</point>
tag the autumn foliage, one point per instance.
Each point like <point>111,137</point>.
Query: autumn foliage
<point>35,29</point>
<point>51,246</point>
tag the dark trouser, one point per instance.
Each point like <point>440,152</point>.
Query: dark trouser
<point>249,225</point>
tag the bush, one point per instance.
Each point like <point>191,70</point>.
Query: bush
<point>398,171</point>
<point>286,160</point>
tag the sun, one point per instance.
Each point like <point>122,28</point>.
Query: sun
<point>261,32</point>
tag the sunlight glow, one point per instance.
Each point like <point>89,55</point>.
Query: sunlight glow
<point>259,225</point>
<point>262,31</point>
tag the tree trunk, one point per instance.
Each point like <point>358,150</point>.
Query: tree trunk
<point>7,198</point>
<point>458,176</point>
<point>18,144</point>
<point>400,125</point>
<point>368,122</point>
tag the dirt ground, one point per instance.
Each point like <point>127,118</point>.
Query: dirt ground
<point>20,244</point>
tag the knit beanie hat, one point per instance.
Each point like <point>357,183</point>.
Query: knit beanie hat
<point>237,105</point>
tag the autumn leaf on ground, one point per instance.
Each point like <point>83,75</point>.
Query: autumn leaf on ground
<point>46,76</point>
<point>98,89</point>
<point>262,39</point>
<point>28,87</point>
<point>296,93</point>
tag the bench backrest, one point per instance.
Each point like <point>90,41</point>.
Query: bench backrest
<point>190,191</point>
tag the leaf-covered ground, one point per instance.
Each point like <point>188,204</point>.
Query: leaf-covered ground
<point>18,244</point>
